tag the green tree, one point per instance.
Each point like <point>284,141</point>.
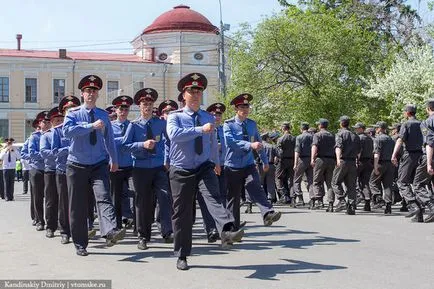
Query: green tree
<point>409,80</point>
<point>302,65</point>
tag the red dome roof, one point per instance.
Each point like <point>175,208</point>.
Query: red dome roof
<point>181,18</point>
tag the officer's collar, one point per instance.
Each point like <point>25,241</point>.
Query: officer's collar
<point>88,109</point>
<point>238,120</point>
<point>189,111</point>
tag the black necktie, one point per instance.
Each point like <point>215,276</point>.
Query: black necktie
<point>92,136</point>
<point>124,128</point>
<point>245,133</point>
<point>9,156</point>
<point>218,135</point>
<point>198,145</point>
<point>150,135</point>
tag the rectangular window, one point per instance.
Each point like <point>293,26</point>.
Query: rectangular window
<point>4,128</point>
<point>112,90</point>
<point>137,85</point>
<point>58,90</point>
<point>31,89</point>
<point>29,128</point>
<point>4,89</point>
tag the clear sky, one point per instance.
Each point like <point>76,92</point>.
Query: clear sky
<point>84,25</point>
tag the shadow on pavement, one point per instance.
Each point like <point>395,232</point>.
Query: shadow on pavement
<point>271,271</point>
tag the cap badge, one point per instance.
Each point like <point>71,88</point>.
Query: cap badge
<point>195,77</point>
<point>148,90</point>
<point>92,78</point>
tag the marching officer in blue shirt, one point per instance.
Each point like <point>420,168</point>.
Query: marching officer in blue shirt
<point>25,156</point>
<point>59,147</point>
<point>50,189</point>
<point>121,180</point>
<point>37,169</point>
<point>194,164</point>
<point>91,151</point>
<point>242,138</point>
<point>145,139</point>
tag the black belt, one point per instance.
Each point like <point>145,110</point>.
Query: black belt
<point>384,161</point>
<point>88,166</point>
<point>302,157</point>
<point>287,158</point>
<point>415,151</point>
<point>365,159</point>
<point>326,157</point>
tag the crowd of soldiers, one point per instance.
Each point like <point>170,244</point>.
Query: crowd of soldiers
<point>83,158</point>
<point>374,167</point>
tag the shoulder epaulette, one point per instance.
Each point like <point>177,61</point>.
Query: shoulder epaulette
<point>232,119</point>
<point>74,108</point>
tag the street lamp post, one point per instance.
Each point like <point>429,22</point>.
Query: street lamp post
<point>222,69</point>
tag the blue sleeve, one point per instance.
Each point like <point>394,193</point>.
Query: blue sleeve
<point>262,153</point>
<point>71,128</point>
<point>25,150</point>
<point>236,145</point>
<point>214,156</point>
<point>110,141</point>
<point>34,149</point>
<point>56,144</point>
<point>177,133</point>
<point>45,146</point>
<point>127,140</point>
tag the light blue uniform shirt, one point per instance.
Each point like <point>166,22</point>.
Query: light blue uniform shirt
<point>45,151</point>
<point>239,154</point>
<point>25,150</point>
<point>182,133</point>
<point>136,136</point>
<point>77,126</point>
<point>221,144</point>
<point>60,146</point>
<point>124,156</point>
<point>36,160</point>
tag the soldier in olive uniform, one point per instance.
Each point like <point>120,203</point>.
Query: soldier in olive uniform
<point>323,163</point>
<point>285,165</point>
<point>365,164</point>
<point>347,149</point>
<point>382,175</point>
<point>410,137</point>
<point>302,151</point>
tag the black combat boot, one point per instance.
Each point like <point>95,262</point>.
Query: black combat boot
<point>330,208</point>
<point>403,206</point>
<point>351,209</point>
<point>300,202</point>
<point>413,209</point>
<point>367,207</point>
<point>388,209</point>
<point>342,205</point>
<point>430,216</point>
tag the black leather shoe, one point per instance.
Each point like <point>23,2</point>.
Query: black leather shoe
<point>39,227</point>
<point>168,238</point>
<point>430,216</point>
<point>342,205</point>
<point>34,222</point>
<point>351,209</point>
<point>330,208</point>
<point>403,206</point>
<point>114,236</point>
<point>228,237</point>
<point>367,206</point>
<point>388,209</point>
<point>142,244</point>
<point>272,217</point>
<point>64,240</point>
<point>82,252</point>
<point>181,264</point>
<point>213,236</point>
<point>413,209</point>
<point>49,233</point>
<point>417,218</point>
<point>312,204</point>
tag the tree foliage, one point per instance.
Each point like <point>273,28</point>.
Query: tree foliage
<point>313,60</point>
<point>409,80</point>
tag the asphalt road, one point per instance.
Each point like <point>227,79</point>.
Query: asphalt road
<point>305,249</point>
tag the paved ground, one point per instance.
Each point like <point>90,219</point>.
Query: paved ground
<point>304,250</point>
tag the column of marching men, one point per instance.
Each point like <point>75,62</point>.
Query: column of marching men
<point>364,165</point>
<point>84,159</point>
